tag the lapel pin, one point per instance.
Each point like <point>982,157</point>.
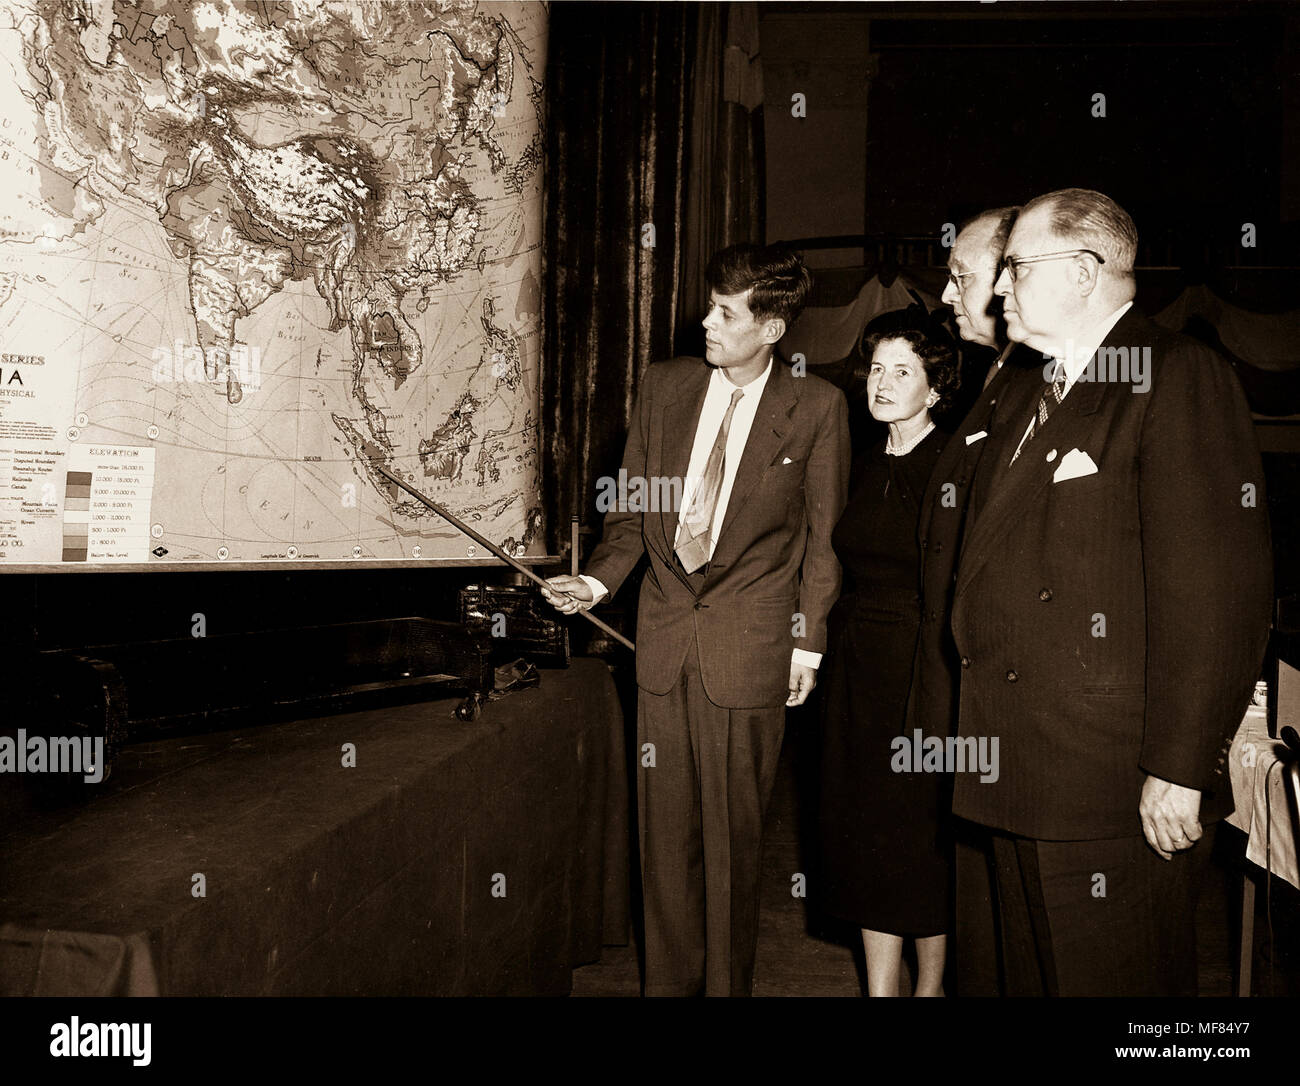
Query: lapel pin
<point>1051,456</point>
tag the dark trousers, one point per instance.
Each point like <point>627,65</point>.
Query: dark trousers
<point>701,808</point>
<point>975,942</point>
<point>1097,918</point>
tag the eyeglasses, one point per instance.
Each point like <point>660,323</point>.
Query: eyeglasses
<point>1012,264</point>
<point>955,278</point>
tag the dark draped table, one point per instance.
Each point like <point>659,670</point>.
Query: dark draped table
<point>483,858</point>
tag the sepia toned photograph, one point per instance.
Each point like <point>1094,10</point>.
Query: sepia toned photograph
<point>522,508</point>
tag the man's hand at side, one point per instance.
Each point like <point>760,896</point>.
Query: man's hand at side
<point>568,594</point>
<point>1170,816</point>
<point>802,679</point>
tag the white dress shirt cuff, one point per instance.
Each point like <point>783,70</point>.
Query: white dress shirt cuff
<point>598,590</point>
<point>808,659</point>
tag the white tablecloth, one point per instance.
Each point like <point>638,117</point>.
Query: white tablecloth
<point>1259,787</point>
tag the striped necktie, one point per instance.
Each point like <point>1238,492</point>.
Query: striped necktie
<point>1052,395</point>
<point>697,525</point>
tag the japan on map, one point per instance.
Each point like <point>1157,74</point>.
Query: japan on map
<point>250,254</point>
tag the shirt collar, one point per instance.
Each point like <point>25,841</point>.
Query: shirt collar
<point>752,390</point>
<point>1079,352</point>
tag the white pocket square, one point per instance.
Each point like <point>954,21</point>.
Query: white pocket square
<point>1074,465</point>
<point>787,460</point>
<point>972,438</point>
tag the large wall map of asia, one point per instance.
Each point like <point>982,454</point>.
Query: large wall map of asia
<point>249,254</point>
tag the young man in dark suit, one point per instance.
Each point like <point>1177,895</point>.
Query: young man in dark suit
<point>732,614</point>
<point>1111,611</point>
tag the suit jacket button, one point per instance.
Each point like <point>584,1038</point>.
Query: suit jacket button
<point>938,547</point>
<point>1045,594</point>
<point>698,606</point>
<point>965,661</point>
<point>923,543</point>
<point>1012,676</point>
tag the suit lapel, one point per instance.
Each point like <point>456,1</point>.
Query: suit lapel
<point>956,450</point>
<point>766,435</point>
<point>1017,402</point>
<point>1011,488</point>
<point>679,418</point>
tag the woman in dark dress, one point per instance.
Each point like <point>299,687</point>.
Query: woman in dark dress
<point>884,851</point>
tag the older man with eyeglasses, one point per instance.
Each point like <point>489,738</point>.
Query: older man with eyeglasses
<point>973,266</point>
<point>1111,610</point>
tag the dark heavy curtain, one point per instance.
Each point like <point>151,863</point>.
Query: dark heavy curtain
<point>724,157</point>
<point>619,84</point>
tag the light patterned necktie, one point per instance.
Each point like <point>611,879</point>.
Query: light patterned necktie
<point>1052,395</point>
<point>693,550</point>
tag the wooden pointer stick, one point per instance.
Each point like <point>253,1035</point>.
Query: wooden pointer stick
<point>509,559</point>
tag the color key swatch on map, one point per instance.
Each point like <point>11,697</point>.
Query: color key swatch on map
<point>76,516</point>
